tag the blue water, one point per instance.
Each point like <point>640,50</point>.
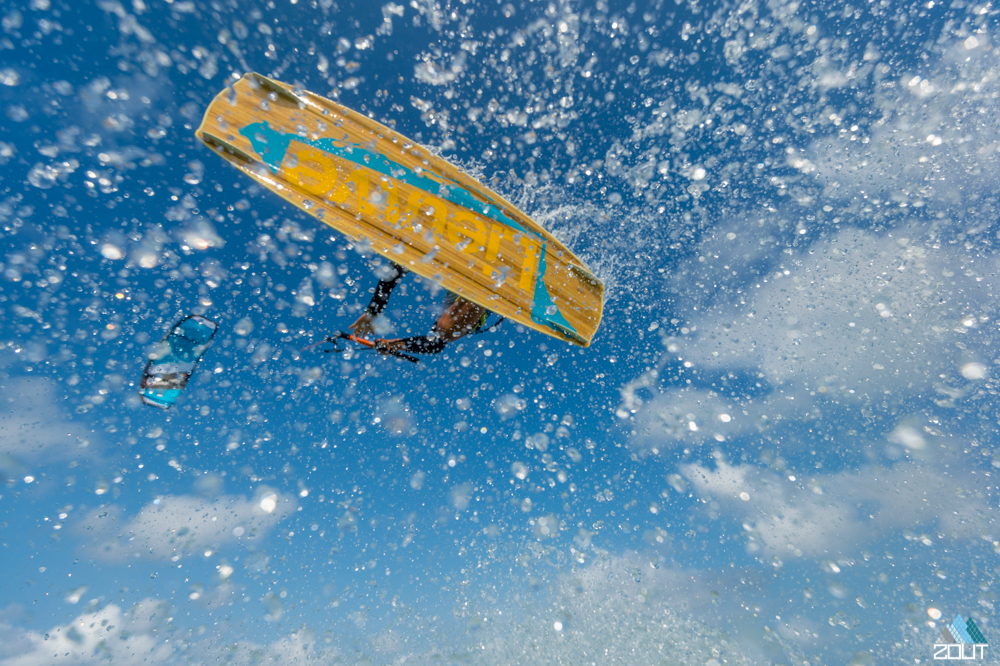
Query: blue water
<point>781,447</point>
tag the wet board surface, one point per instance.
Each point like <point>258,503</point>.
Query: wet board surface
<point>376,186</point>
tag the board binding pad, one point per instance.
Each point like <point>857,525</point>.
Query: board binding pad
<point>383,190</point>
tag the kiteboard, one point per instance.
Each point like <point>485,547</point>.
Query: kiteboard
<point>382,189</point>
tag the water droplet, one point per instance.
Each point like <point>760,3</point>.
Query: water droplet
<point>42,176</point>
<point>974,371</point>
<point>9,77</point>
<point>110,251</point>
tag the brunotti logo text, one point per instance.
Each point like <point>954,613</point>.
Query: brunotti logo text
<point>960,640</point>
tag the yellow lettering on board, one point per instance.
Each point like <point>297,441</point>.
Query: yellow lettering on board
<point>460,227</point>
<point>392,212</point>
<point>313,171</point>
<point>384,198</point>
<point>359,177</point>
<point>492,248</point>
<point>419,202</point>
<point>528,266</point>
<point>410,209</point>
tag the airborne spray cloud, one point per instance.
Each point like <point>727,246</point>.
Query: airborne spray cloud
<point>783,433</point>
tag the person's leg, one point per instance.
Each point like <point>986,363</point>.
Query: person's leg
<point>362,327</point>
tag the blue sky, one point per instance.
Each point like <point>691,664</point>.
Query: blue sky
<point>781,447</point>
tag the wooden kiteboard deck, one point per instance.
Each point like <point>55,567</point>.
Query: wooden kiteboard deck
<point>376,186</point>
